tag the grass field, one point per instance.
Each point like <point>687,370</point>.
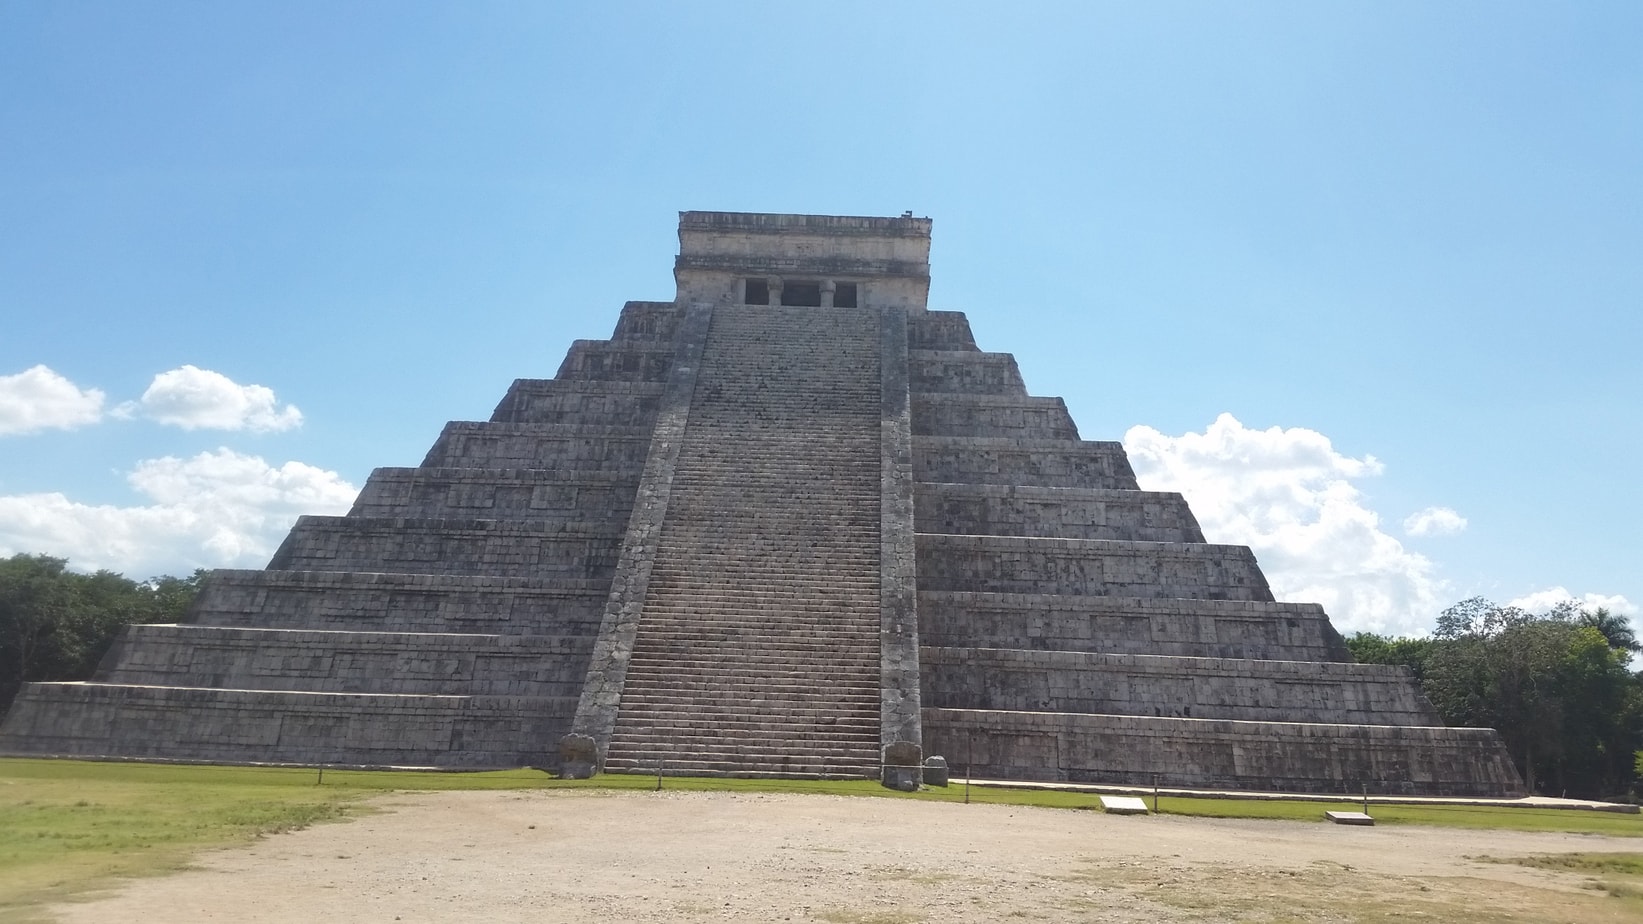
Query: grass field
<point>69,827</point>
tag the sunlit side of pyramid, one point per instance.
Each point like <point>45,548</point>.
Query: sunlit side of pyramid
<point>791,523</point>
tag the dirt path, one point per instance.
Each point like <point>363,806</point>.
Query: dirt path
<point>546,857</point>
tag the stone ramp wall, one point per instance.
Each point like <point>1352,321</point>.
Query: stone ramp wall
<point>1068,513</point>
<point>256,726</point>
<point>349,662</point>
<point>1009,564</point>
<point>1198,688</point>
<point>1223,754</point>
<point>1256,629</point>
<point>381,602</point>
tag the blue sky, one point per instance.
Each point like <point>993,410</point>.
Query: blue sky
<point>1398,244</point>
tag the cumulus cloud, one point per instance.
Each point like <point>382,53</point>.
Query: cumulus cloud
<point>40,399</point>
<point>1434,521</point>
<point>217,509</point>
<point>199,399</point>
<point>1543,601</point>
<point>1289,495</point>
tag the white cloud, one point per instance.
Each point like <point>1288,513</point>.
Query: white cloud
<point>40,399</point>
<point>1542,601</point>
<point>198,399</point>
<point>1289,495</point>
<point>1434,521</point>
<point>217,509</point>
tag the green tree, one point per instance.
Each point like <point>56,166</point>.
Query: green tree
<point>56,624</point>
<point>1554,686</point>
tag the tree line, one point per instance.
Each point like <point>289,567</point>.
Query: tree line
<point>1557,686</point>
<point>56,624</point>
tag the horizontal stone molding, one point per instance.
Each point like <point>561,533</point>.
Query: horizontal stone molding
<point>1131,625</point>
<point>1154,685</point>
<point>1008,564</point>
<point>1065,513</point>
<point>1223,754</point>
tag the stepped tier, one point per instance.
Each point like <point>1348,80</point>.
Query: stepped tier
<point>1024,462</point>
<point>1172,687</point>
<point>579,403</point>
<point>380,602</point>
<point>268,727</point>
<point>513,494</point>
<point>1224,754</point>
<point>1064,513</point>
<point>1253,629</point>
<point>967,372</point>
<point>308,661</point>
<point>542,549</point>
<point>1014,417</point>
<point>1091,567</point>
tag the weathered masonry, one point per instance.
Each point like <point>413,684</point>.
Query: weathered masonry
<point>791,523</point>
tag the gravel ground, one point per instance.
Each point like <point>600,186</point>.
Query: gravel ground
<point>591,856</point>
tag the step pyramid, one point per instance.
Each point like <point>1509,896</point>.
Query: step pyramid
<point>792,523</point>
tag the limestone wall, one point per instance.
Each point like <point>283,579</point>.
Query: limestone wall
<point>1067,513</point>
<point>1151,685</point>
<point>242,726</point>
<point>349,662</point>
<point>379,602</point>
<point>1223,754</point>
<point>1004,564</point>
<point>1130,625</point>
<point>997,416</point>
<point>1042,463</point>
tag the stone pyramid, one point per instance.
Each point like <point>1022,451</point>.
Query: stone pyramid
<point>791,523</point>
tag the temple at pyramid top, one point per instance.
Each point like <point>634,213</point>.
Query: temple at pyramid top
<point>803,261</point>
<point>790,523</point>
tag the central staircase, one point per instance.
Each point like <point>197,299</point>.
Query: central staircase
<point>758,648</point>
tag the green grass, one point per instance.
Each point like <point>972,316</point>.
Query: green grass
<point>67,827</point>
